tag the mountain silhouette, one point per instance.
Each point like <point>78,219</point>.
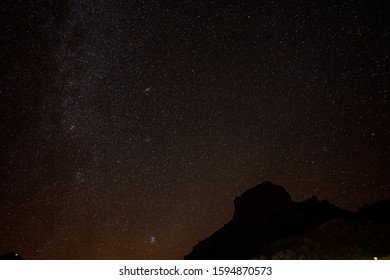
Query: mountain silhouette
<point>268,224</point>
<point>11,256</point>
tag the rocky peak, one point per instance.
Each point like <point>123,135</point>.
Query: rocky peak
<point>263,198</point>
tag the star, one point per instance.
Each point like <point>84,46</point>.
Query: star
<point>148,89</point>
<point>152,240</point>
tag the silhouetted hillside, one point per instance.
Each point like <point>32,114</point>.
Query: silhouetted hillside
<point>11,256</point>
<point>267,224</point>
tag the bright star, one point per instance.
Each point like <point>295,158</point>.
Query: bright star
<point>152,239</point>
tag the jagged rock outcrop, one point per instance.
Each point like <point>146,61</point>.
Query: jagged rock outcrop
<point>267,224</point>
<point>263,198</point>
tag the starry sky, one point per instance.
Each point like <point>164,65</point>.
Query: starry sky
<point>128,127</point>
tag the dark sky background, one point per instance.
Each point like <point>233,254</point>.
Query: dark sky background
<point>128,127</point>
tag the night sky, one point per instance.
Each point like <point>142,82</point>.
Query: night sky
<point>128,127</point>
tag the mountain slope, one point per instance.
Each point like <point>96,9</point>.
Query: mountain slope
<point>267,224</point>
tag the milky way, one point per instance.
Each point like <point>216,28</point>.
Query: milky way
<point>127,128</point>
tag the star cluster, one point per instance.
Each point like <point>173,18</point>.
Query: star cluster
<point>128,127</point>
